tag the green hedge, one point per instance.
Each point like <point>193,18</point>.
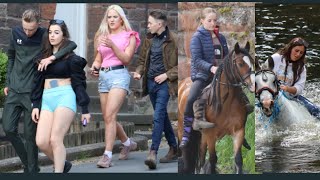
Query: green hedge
<point>3,70</point>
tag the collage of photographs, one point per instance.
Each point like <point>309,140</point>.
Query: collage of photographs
<point>184,88</point>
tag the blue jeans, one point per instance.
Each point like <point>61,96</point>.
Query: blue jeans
<point>159,97</point>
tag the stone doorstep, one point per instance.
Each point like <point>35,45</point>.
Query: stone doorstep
<point>76,136</point>
<point>137,119</point>
<point>148,133</point>
<point>95,105</point>
<point>74,153</point>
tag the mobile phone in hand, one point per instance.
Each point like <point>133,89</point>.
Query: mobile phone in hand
<point>84,122</point>
<point>96,70</point>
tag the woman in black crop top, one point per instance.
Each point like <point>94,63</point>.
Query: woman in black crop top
<point>56,91</point>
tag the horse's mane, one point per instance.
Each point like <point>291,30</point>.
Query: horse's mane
<point>257,64</point>
<point>227,65</point>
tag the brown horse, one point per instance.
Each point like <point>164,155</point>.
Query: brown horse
<point>224,108</point>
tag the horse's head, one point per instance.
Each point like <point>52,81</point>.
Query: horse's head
<point>245,66</point>
<point>266,90</point>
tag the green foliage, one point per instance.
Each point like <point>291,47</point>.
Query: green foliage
<point>3,70</point>
<point>83,156</point>
<point>240,36</point>
<point>225,148</point>
<point>225,10</point>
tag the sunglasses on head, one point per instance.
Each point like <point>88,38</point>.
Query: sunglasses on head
<point>56,21</point>
<point>301,41</point>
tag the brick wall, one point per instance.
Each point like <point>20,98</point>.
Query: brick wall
<point>137,14</point>
<point>10,16</point>
<point>236,20</point>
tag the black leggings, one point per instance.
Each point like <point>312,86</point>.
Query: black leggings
<point>195,91</point>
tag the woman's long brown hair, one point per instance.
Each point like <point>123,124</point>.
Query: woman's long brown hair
<point>47,48</point>
<point>297,66</point>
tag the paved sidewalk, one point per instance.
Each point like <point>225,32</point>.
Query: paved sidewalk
<point>135,164</point>
<point>73,153</point>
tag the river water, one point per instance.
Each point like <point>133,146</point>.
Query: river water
<point>292,142</point>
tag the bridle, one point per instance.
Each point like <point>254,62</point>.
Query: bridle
<point>242,77</point>
<point>265,78</point>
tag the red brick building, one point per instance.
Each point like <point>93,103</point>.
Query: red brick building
<point>85,18</point>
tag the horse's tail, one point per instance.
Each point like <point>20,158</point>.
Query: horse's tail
<point>246,144</point>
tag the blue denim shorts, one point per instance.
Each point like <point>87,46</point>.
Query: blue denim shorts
<point>119,78</point>
<point>62,96</point>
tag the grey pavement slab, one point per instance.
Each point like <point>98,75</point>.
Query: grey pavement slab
<point>135,164</point>
<point>73,153</point>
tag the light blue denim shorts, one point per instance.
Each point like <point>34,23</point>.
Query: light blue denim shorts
<point>119,78</point>
<point>62,96</point>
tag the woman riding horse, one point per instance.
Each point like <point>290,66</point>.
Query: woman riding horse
<point>225,109</point>
<point>288,64</point>
<point>204,52</point>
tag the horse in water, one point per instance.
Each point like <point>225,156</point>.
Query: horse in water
<point>224,108</point>
<point>271,98</point>
<point>267,89</point>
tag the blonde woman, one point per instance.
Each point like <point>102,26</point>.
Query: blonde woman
<point>203,66</point>
<point>114,53</point>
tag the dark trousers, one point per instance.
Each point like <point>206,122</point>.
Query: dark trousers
<point>195,91</point>
<point>26,147</point>
<point>159,97</point>
<point>313,109</point>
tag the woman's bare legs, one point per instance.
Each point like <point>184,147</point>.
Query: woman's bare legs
<point>44,132</point>
<point>111,103</point>
<point>119,129</point>
<point>52,127</point>
<point>61,123</point>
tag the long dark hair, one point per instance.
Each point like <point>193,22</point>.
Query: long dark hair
<point>297,66</point>
<point>47,48</point>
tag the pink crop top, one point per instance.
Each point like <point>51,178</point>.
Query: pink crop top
<point>121,40</point>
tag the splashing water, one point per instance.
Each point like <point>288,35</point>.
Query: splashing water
<point>291,142</point>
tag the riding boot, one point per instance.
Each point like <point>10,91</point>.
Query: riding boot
<point>245,100</point>
<point>200,122</point>
<point>187,123</point>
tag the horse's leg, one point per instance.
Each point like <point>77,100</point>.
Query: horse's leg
<point>203,151</point>
<point>213,159</point>
<point>180,165</point>
<point>179,153</point>
<point>190,153</point>
<point>237,144</point>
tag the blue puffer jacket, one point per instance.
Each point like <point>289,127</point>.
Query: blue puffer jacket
<point>202,53</point>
